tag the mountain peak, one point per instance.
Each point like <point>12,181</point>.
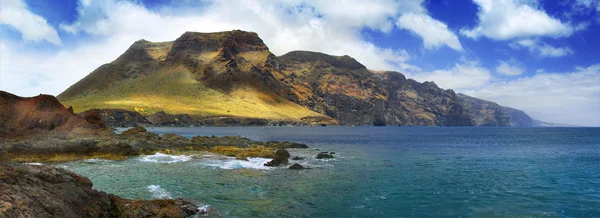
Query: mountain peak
<point>344,62</point>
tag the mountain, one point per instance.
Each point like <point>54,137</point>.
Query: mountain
<point>226,74</point>
<point>233,75</point>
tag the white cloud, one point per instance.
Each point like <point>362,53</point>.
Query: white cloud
<point>460,76</point>
<point>433,32</point>
<point>509,19</point>
<point>15,14</point>
<point>284,26</point>
<point>507,69</point>
<point>569,98</point>
<point>541,49</point>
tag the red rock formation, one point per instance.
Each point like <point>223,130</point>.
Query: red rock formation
<point>42,112</point>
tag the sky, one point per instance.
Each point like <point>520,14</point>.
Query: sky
<point>540,56</point>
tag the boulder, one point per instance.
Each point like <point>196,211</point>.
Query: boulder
<point>325,155</point>
<point>281,158</point>
<point>296,167</point>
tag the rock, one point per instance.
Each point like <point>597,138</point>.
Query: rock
<point>47,191</point>
<point>119,117</point>
<point>296,167</point>
<point>324,155</point>
<point>134,130</point>
<point>285,145</point>
<point>297,158</point>
<point>19,115</point>
<point>93,118</point>
<point>281,158</point>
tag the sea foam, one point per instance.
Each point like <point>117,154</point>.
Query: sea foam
<point>252,163</point>
<point>164,158</point>
<point>158,192</point>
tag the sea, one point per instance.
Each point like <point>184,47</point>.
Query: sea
<point>375,172</point>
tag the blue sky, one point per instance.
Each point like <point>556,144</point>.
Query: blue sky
<point>535,55</point>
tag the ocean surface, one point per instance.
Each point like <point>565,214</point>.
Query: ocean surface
<point>377,172</point>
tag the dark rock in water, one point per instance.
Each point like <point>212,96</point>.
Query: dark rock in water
<point>46,191</point>
<point>134,130</point>
<point>285,145</point>
<point>281,158</point>
<point>297,158</point>
<point>331,152</point>
<point>324,155</point>
<point>296,167</point>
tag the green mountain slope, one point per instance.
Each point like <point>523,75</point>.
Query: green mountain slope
<point>233,74</point>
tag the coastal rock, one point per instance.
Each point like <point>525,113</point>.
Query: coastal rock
<point>280,158</point>
<point>134,130</point>
<point>46,191</point>
<point>119,117</point>
<point>324,155</point>
<point>298,158</point>
<point>296,167</point>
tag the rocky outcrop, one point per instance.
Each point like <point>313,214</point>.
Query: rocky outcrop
<point>19,115</point>
<point>325,155</point>
<point>46,191</point>
<point>296,167</point>
<point>281,158</point>
<point>118,117</point>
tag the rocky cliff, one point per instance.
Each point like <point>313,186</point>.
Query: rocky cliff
<point>233,75</point>
<point>486,113</point>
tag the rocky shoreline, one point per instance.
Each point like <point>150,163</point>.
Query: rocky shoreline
<point>40,129</point>
<point>46,191</point>
<point>127,118</point>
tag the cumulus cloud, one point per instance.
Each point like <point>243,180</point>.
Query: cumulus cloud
<point>33,27</point>
<point>433,32</point>
<point>541,49</point>
<point>566,97</point>
<point>509,19</point>
<point>507,69</point>
<point>460,76</point>
<point>284,26</point>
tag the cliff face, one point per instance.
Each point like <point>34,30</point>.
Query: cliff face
<point>518,118</point>
<point>234,75</point>
<point>486,113</point>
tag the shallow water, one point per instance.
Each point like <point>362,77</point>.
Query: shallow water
<point>378,172</point>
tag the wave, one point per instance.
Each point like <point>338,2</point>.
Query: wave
<point>158,192</point>
<point>164,158</point>
<point>251,163</point>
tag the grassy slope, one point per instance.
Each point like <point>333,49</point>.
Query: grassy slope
<point>177,92</point>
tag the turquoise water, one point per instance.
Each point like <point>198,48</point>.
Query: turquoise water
<point>378,172</point>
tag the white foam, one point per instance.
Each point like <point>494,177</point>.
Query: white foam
<point>252,163</point>
<point>204,209</point>
<point>158,192</point>
<point>164,158</point>
<point>35,163</point>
